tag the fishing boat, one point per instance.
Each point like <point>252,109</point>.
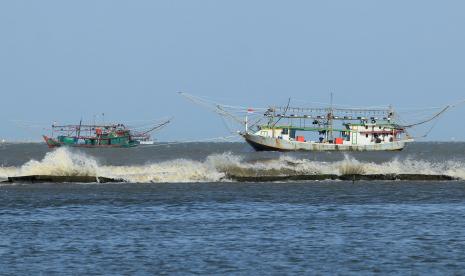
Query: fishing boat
<point>144,138</point>
<point>99,135</point>
<point>324,128</point>
<point>328,129</point>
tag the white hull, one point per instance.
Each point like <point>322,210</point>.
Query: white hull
<point>146,142</point>
<point>261,143</point>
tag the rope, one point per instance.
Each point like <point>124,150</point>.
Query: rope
<point>223,138</point>
<point>430,119</point>
<point>214,105</point>
<point>223,120</point>
<point>285,111</point>
<point>434,118</point>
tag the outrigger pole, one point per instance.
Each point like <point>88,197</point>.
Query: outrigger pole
<point>450,106</point>
<point>155,127</point>
<point>218,108</point>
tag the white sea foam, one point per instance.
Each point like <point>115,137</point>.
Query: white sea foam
<point>63,162</point>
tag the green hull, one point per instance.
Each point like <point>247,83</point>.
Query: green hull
<point>91,142</point>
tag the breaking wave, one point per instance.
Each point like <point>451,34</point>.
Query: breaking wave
<point>218,167</point>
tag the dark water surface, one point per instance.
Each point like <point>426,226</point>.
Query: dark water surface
<point>202,227</point>
<point>251,228</point>
<point>18,154</point>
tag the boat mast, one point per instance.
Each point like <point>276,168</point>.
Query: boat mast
<point>272,120</point>
<point>53,128</point>
<point>330,120</point>
<point>79,129</point>
<point>391,114</point>
<point>280,117</point>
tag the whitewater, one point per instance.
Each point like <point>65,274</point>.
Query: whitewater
<point>215,167</point>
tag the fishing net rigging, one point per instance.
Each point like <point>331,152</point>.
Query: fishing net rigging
<point>421,121</point>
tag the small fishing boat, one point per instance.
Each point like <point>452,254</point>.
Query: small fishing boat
<point>99,136</point>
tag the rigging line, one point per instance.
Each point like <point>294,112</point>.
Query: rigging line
<point>430,119</point>
<point>437,115</point>
<point>155,128</point>
<point>285,110</point>
<point>421,116</point>
<point>341,105</point>
<point>224,138</point>
<point>458,103</point>
<point>204,98</point>
<point>146,126</point>
<point>213,104</point>
<point>242,108</point>
<point>413,119</point>
<point>223,120</point>
<point>158,126</point>
<point>149,120</point>
<point>429,131</point>
<point>256,123</point>
<point>407,109</point>
<point>455,104</point>
<point>228,114</point>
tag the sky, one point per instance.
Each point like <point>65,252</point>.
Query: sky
<point>66,60</point>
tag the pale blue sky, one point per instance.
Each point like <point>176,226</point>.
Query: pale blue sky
<point>63,60</point>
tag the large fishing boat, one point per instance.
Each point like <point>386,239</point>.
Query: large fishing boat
<point>327,129</point>
<point>99,136</point>
<point>330,128</point>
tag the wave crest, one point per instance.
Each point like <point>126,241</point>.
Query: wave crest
<point>217,167</point>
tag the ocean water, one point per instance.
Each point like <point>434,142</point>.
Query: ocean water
<point>178,213</point>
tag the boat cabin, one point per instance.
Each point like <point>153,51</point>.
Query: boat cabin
<point>363,133</point>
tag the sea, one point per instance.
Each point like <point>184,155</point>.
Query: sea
<point>177,211</point>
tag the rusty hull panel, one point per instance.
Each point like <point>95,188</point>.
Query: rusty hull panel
<point>260,143</point>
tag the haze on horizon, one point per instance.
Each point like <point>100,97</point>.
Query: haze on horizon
<point>66,60</point>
